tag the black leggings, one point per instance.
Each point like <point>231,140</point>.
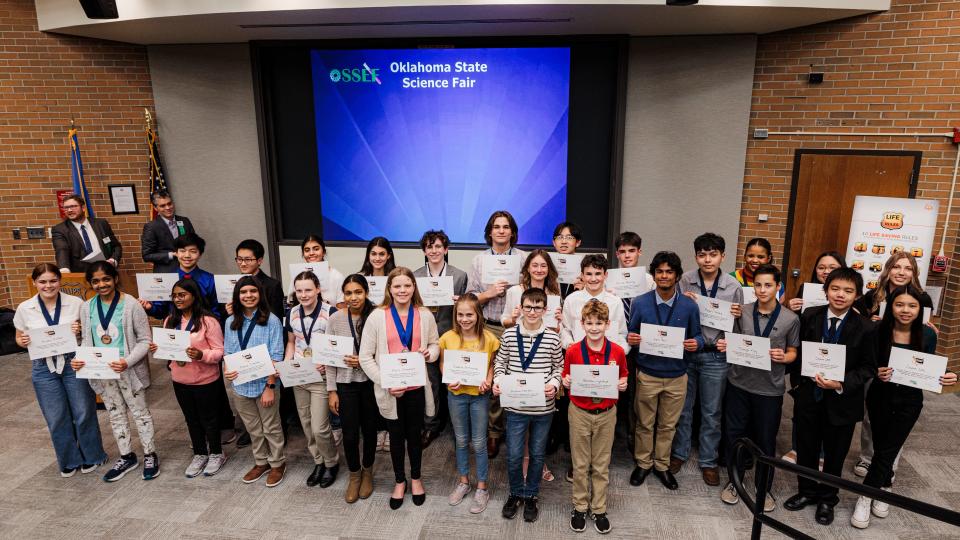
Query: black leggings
<point>200,404</point>
<point>358,413</point>
<point>893,410</point>
<point>405,433</point>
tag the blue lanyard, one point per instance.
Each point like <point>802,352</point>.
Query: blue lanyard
<point>303,327</point>
<point>525,360</point>
<point>405,333</point>
<point>585,352</point>
<point>105,319</point>
<point>713,289</point>
<point>353,333</point>
<point>55,320</point>
<point>245,336</point>
<point>756,320</point>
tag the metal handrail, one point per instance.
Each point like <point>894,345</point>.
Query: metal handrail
<point>763,464</point>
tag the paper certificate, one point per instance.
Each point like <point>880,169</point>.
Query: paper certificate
<point>297,371</point>
<point>51,341</point>
<point>436,291</point>
<point>464,367</point>
<point>715,313</point>
<point>156,287</point>
<point>749,295</point>
<point>225,284</point>
<point>813,296</point>
<point>748,351</point>
<point>523,390</point>
<point>664,341</point>
<point>917,369</point>
<point>402,370</point>
<point>500,268</point>
<point>171,344</point>
<point>330,350</point>
<point>320,269</point>
<point>627,282</point>
<point>594,381</point>
<point>251,364</point>
<point>827,359</point>
<point>568,266</point>
<point>96,362</point>
<point>378,286</point>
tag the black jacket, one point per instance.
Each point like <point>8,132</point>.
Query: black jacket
<point>156,243</point>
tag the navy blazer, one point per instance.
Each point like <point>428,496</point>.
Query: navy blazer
<point>157,242</point>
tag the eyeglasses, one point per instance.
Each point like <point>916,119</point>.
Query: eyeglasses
<point>567,237</point>
<point>242,260</point>
<point>181,295</point>
<point>71,206</point>
<point>533,309</point>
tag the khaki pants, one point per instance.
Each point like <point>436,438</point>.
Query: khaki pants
<point>263,425</point>
<point>314,411</point>
<point>658,401</point>
<point>591,442</point>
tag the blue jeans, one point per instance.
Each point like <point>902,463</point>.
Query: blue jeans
<point>468,414</point>
<point>516,425</point>
<point>706,377</point>
<point>70,409</point>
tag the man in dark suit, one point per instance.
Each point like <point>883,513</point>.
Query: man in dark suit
<point>79,241</point>
<point>156,241</point>
<point>827,411</point>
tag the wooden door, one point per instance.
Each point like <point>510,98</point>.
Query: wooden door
<point>825,186</point>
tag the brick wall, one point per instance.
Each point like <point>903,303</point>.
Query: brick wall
<point>45,80</point>
<point>892,71</point>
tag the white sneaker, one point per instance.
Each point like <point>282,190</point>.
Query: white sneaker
<point>196,466</point>
<point>861,468</point>
<point>861,514</point>
<point>214,464</point>
<point>880,508</point>
<point>458,494</point>
<point>729,494</point>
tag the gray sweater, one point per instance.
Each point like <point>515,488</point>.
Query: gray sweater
<point>137,336</point>
<point>338,325</point>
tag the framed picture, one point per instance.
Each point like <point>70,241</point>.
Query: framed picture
<point>123,199</point>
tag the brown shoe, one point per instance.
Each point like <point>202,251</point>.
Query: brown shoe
<point>493,447</point>
<point>711,476</point>
<point>276,475</point>
<point>366,483</point>
<point>675,465</point>
<point>255,473</point>
<point>353,488</point>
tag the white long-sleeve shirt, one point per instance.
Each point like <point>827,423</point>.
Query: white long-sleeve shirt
<point>571,331</point>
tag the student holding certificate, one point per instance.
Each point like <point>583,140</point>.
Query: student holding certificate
<point>401,325</point>
<point>379,259</point>
<point>350,392</point>
<point>116,320</point>
<point>197,384</point>
<point>827,411</point>
<point>303,323</point>
<point>470,405</point>
<point>894,407</point>
<point>593,420</point>
<point>314,250</point>
<point>753,400</point>
<point>257,401</point>
<point>68,404</point>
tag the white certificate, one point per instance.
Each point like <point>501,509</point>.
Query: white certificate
<point>171,344</point>
<point>917,369</point>
<point>251,364</point>
<point>827,359</point>
<point>156,287</point>
<point>297,371</point>
<point>225,283</point>
<point>330,350</point>
<point>436,291</point>
<point>378,287</point>
<point>749,295</point>
<point>500,268</point>
<point>320,269</point>
<point>813,296</point>
<point>594,381</point>
<point>715,313</point>
<point>464,367</point>
<point>568,266</point>
<point>96,362</point>
<point>659,340</point>
<point>51,341</point>
<point>748,351</point>
<point>523,390</point>
<point>402,370</point>
<point>627,282</point>
<point>553,304</point>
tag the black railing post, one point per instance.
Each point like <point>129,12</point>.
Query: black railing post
<point>762,473</point>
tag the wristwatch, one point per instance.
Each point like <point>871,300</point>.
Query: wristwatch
<point>271,385</point>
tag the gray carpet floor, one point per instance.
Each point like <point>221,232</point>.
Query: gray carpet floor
<point>35,502</point>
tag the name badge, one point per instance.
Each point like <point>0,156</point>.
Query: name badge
<point>106,239</point>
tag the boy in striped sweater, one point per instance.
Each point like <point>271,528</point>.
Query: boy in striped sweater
<point>529,353</point>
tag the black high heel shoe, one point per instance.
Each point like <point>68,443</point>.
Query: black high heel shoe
<point>418,499</point>
<point>397,503</point>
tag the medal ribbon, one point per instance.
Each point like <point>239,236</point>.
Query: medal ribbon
<point>105,319</point>
<point>525,360</point>
<point>55,320</point>
<point>405,333</point>
<point>245,336</point>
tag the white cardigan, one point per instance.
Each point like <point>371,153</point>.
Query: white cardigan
<point>137,336</point>
<point>373,344</point>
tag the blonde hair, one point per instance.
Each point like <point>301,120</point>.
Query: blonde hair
<point>595,308</point>
<point>474,303</point>
<point>416,301</point>
<point>880,293</point>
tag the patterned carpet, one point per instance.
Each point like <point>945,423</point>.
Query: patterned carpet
<point>35,502</point>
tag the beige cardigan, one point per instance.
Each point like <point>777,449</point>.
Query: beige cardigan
<point>137,336</point>
<point>373,344</point>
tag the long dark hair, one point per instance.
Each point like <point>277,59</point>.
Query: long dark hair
<point>198,311</point>
<point>368,306</point>
<point>263,309</point>
<point>888,322</point>
<point>832,254</point>
<point>378,241</point>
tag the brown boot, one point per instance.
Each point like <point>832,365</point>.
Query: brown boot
<point>366,483</point>
<point>353,488</point>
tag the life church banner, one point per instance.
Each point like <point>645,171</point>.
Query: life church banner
<point>883,226</point>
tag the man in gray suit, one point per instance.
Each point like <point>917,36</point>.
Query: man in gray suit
<point>435,245</point>
<point>159,235</point>
<point>78,241</point>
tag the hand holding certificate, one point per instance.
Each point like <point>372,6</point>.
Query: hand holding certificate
<point>96,362</point>
<point>156,287</point>
<point>464,367</point>
<point>500,268</point>
<point>297,372</point>
<point>659,340</point>
<point>627,282</point>
<point>594,381</point>
<point>436,291</point>
<point>917,369</point>
<point>523,390</point>
<point>568,266</point>
<point>402,370</point>
<point>748,351</point>
<point>825,359</point>
<point>51,341</point>
<point>715,313</point>
<point>250,364</point>
<point>171,344</point>
<point>225,284</point>
<point>330,350</point>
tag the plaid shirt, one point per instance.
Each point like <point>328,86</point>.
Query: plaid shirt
<point>270,335</point>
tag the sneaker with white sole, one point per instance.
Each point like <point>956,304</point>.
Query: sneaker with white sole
<point>196,466</point>
<point>214,464</point>
<point>480,499</point>
<point>861,514</point>
<point>87,469</point>
<point>729,494</point>
<point>151,466</point>
<point>68,472</point>
<point>458,494</point>
<point>123,465</point>
<point>880,508</point>
<point>861,468</point>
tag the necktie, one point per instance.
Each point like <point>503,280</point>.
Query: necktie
<point>173,229</point>
<point>626,307</point>
<point>87,246</point>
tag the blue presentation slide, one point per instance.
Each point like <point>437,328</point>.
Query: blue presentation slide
<point>416,139</point>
